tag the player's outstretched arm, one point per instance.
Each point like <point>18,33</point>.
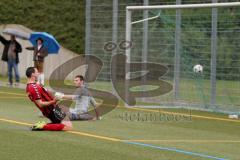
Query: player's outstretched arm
<point>59,95</point>
<point>69,97</point>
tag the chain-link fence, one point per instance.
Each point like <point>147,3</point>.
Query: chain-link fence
<point>195,35</point>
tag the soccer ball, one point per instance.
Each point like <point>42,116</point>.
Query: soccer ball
<point>198,68</point>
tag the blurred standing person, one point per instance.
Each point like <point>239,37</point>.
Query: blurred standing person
<point>39,53</point>
<point>10,55</point>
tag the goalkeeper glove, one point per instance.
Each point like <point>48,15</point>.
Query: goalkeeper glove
<point>59,95</point>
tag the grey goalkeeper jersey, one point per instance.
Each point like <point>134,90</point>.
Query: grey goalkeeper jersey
<point>83,100</point>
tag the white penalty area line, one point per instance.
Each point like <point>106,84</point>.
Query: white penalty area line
<point>176,150</point>
<point>180,151</point>
<point>133,140</point>
<point>182,141</point>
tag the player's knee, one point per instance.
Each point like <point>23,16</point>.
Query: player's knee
<point>67,125</point>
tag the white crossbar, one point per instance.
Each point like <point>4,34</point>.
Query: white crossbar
<point>184,6</point>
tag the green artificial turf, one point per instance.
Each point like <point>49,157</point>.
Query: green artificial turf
<point>218,138</point>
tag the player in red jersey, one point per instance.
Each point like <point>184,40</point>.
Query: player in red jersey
<point>46,103</point>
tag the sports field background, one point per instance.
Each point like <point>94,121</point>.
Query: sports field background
<point>115,136</point>
<point>122,134</point>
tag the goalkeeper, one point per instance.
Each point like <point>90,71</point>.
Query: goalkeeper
<point>83,100</point>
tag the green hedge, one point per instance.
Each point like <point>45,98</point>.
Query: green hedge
<point>65,19</point>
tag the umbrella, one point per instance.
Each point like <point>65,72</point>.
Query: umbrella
<point>48,41</point>
<point>17,33</point>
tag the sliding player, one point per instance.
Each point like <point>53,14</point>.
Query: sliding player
<point>46,104</point>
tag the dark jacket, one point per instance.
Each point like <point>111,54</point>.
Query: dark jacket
<point>43,53</point>
<point>6,44</point>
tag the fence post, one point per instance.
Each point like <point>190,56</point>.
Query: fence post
<point>177,52</point>
<point>213,53</point>
<point>88,26</point>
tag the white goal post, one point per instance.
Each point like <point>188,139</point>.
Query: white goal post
<point>131,9</point>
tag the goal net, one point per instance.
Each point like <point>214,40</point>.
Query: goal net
<point>168,41</point>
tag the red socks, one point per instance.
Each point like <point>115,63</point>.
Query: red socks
<point>53,127</point>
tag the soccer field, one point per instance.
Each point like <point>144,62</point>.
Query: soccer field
<point>119,135</point>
